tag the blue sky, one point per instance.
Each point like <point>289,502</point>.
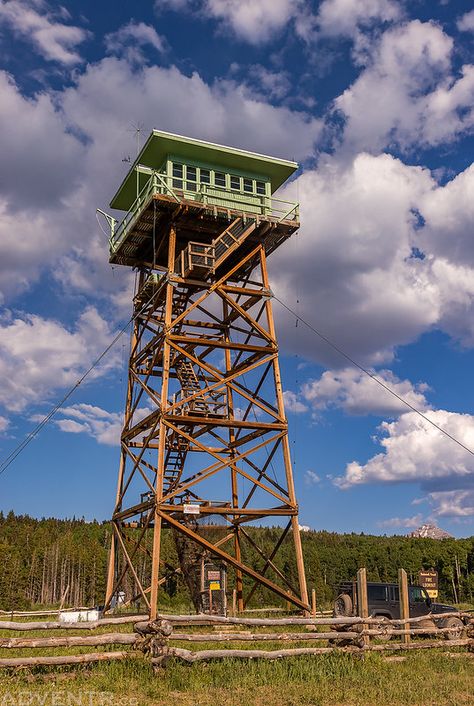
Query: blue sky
<point>374,99</point>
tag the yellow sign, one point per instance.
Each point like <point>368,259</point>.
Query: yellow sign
<point>215,586</point>
<point>429,581</point>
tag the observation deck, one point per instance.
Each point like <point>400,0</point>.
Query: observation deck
<point>220,201</point>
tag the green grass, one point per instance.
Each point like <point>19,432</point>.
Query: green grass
<point>422,679</point>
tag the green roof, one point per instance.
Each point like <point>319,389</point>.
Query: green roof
<point>160,145</point>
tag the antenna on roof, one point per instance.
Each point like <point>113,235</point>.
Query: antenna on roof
<point>138,128</point>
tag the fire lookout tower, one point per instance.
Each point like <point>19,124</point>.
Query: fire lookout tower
<point>204,445</point>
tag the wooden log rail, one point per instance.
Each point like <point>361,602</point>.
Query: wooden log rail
<point>207,655</point>
<point>153,638</point>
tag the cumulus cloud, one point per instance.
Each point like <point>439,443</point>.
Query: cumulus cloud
<point>98,423</point>
<point>453,503</point>
<point>128,40</point>
<point>251,21</point>
<point>407,95</point>
<point>105,427</point>
<point>311,478</point>
<point>415,451</point>
<point>345,17</point>
<point>356,393</point>
<point>37,23</point>
<point>393,264</point>
<point>79,141</point>
<point>466,22</point>
<point>412,522</point>
<point>40,356</point>
<point>293,403</point>
<point>354,275</point>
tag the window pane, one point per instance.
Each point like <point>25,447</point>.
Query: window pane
<point>205,176</point>
<point>261,187</point>
<point>191,173</point>
<point>191,185</point>
<point>377,593</point>
<point>177,183</point>
<point>177,170</point>
<point>235,182</point>
<point>248,185</point>
<point>416,594</point>
<point>219,179</point>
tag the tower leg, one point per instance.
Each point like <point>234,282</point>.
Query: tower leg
<point>155,566</point>
<point>286,445</point>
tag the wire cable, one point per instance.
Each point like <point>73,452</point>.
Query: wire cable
<point>371,375</point>
<point>31,435</point>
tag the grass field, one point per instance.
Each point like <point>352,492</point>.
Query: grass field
<point>423,679</point>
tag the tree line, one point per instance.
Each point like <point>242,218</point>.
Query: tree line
<point>50,561</point>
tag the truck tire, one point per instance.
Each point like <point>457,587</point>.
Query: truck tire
<point>457,627</point>
<point>343,605</point>
<point>386,626</point>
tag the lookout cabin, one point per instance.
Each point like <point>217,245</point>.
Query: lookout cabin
<point>219,199</point>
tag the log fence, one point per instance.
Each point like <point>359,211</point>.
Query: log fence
<point>159,640</point>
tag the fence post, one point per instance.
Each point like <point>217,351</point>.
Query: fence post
<point>362,600</point>
<point>234,602</point>
<point>313,602</point>
<point>404,602</point>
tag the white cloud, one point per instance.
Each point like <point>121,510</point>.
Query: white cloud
<point>35,22</point>
<point>128,40</point>
<point>4,424</point>
<point>344,17</point>
<point>356,393</point>
<point>417,452</point>
<point>412,522</point>
<point>353,275</point>
<point>40,356</point>
<point>407,95</point>
<point>449,215</point>
<point>453,503</point>
<point>311,478</point>
<point>272,84</point>
<point>466,22</point>
<point>293,403</point>
<point>105,427</point>
<point>356,277</point>
<point>251,21</point>
<point>79,141</point>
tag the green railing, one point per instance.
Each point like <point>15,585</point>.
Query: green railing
<point>160,183</point>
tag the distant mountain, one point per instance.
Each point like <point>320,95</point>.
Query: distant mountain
<point>430,532</point>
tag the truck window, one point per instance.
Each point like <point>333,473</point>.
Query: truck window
<point>416,594</point>
<point>377,593</point>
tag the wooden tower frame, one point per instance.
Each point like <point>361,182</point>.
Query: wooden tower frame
<point>204,410</point>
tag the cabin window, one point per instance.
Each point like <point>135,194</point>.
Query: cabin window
<point>248,185</point>
<point>177,176</point>
<point>261,188</point>
<point>219,179</point>
<point>234,182</point>
<point>191,176</point>
<point>205,176</point>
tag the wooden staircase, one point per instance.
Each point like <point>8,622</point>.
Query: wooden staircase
<point>200,259</point>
